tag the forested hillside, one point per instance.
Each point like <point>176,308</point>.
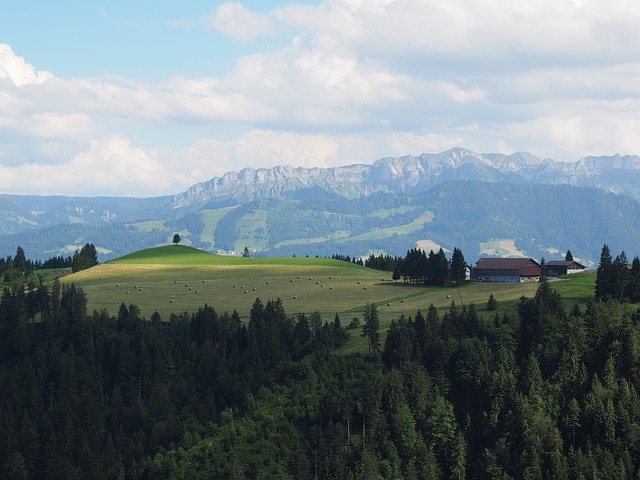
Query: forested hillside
<point>536,393</point>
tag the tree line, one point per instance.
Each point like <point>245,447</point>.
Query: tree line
<point>615,279</point>
<point>86,257</point>
<point>419,267</point>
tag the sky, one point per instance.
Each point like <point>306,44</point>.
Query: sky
<point>147,98</point>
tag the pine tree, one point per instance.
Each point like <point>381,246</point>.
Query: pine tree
<point>491,303</point>
<point>620,276</point>
<point>87,257</point>
<point>604,275</point>
<point>633,285</point>
<point>458,266</point>
<point>371,327</point>
<point>568,257</point>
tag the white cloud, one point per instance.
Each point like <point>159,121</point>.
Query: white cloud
<point>110,166</point>
<point>241,24</point>
<point>356,80</point>
<point>17,70</point>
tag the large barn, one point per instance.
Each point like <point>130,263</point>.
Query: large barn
<point>507,270</point>
<point>556,268</point>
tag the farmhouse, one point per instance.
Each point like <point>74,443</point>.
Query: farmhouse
<point>507,270</point>
<point>562,267</point>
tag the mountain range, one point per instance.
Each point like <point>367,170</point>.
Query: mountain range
<point>486,204</point>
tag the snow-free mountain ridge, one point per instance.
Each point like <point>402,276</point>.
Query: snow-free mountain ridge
<point>477,201</point>
<point>410,174</point>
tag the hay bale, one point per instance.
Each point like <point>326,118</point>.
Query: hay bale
<point>176,282</point>
<point>292,280</point>
<point>295,296</point>
<point>448,296</point>
<point>234,286</point>
<point>364,288</point>
<point>330,277</point>
<point>127,291</point>
<point>267,282</point>
<point>317,283</point>
<point>190,288</point>
<point>171,301</point>
<point>136,287</point>
<point>388,304</point>
<point>246,291</point>
<point>140,289</point>
<point>330,288</point>
<point>310,278</point>
<point>402,300</point>
<point>359,282</point>
<point>254,289</point>
<point>322,285</point>
<point>117,284</point>
<point>204,281</point>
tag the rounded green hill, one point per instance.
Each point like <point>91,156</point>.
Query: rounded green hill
<point>177,279</point>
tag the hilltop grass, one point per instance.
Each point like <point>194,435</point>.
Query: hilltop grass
<point>192,277</point>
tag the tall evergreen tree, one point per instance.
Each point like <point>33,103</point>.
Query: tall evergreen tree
<point>458,266</point>
<point>620,276</point>
<point>371,327</point>
<point>633,285</point>
<point>20,261</point>
<point>568,257</point>
<point>604,275</point>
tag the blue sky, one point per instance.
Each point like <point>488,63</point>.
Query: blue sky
<point>148,98</point>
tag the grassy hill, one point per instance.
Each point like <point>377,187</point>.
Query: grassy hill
<point>177,278</point>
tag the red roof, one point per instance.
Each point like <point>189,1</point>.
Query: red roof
<point>564,263</point>
<point>525,267</point>
<point>492,263</point>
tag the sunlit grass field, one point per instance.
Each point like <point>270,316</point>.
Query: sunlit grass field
<point>177,278</point>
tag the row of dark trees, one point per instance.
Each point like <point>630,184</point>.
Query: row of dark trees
<point>347,258</point>
<point>84,258</point>
<point>419,267</point>
<point>432,269</point>
<point>615,279</point>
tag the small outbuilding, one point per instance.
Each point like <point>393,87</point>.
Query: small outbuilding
<point>489,269</point>
<point>555,268</point>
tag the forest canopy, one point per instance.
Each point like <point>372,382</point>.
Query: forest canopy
<point>537,392</point>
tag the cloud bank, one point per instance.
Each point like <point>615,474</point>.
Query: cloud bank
<point>344,81</point>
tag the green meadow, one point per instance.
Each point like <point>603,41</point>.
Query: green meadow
<point>178,278</point>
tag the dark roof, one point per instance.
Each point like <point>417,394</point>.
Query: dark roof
<point>490,263</point>
<point>564,263</point>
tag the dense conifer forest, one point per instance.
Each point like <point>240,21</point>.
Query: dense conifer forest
<point>540,392</point>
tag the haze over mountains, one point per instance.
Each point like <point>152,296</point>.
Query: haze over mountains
<point>487,204</point>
